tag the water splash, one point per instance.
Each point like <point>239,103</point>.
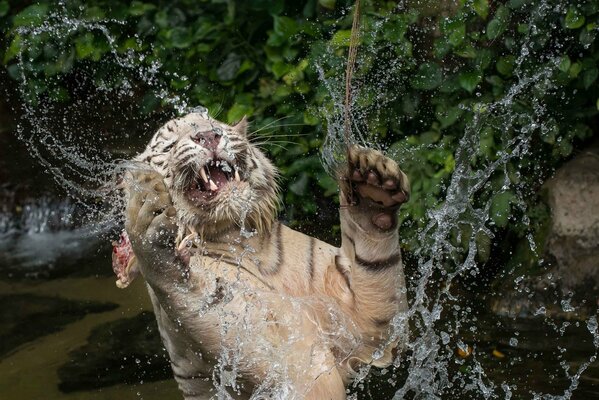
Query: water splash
<point>79,162</point>
<point>438,319</point>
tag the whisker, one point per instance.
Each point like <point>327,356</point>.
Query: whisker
<point>271,134</point>
<point>220,107</point>
<point>269,124</point>
<point>272,144</point>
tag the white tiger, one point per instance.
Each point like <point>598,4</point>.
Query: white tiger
<point>247,307</point>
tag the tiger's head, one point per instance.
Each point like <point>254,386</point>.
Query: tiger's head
<point>216,177</point>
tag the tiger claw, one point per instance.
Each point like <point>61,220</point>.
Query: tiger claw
<point>187,241</point>
<point>400,197</point>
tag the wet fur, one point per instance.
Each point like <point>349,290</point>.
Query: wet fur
<point>275,313</point>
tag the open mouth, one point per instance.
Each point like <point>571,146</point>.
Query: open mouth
<point>212,177</point>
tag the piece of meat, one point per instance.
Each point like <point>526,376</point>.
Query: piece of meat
<point>124,263</point>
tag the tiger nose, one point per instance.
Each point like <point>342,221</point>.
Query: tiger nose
<point>208,139</point>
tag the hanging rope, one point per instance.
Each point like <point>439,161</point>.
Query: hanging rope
<point>349,71</point>
<point>354,41</point>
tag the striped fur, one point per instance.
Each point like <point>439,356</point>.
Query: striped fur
<point>274,312</point>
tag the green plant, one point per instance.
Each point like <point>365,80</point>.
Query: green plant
<point>429,73</point>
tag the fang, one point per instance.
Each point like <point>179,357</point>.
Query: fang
<point>203,175</point>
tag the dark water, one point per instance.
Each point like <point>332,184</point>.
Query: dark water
<point>67,332</point>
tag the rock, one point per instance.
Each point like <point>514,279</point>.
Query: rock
<point>574,236</point>
<point>128,351</point>
<point>26,317</point>
<point>569,286</point>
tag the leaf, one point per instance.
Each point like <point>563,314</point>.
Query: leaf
<point>341,38</point>
<point>499,24</point>
<point>564,63</point>
<point>454,30</point>
<point>499,211</point>
<point>180,38</point>
<point>329,184</point>
<point>449,116</point>
<point>300,186</point>
<point>280,68</point>
<point>487,143</point>
<point>587,37</point>
<point>523,28</point>
<point>470,80</point>
<point>328,4</point>
<point>4,7</point>
<point>481,8</point>
<point>483,246</point>
<point>589,77</point>
<point>229,68</point>
<point>582,131</point>
<point>429,137</point>
<point>33,15</point>
<point>428,76</point>
<point>575,69</point>
<point>94,13</point>
<point>495,28</point>
<point>285,27</point>
<point>505,65</point>
<point>13,49</point>
<point>84,46</point>
<point>238,111</point>
<point>138,8</point>
<point>574,19</point>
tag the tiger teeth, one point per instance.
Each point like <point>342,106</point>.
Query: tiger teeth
<point>213,186</point>
<point>203,175</point>
<point>237,178</point>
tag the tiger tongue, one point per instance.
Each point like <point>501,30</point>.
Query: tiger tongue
<point>218,177</point>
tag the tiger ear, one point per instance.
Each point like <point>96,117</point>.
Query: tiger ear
<point>242,126</point>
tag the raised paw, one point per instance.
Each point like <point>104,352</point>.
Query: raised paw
<point>150,216</point>
<point>373,176</point>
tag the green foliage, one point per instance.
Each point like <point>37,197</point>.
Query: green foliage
<point>429,75</point>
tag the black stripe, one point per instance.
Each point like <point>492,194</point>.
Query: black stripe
<point>343,272</point>
<point>311,259</point>
<point>184,160</point>
<point>187,377</point>
<point>380,323</point>
<point>236,146</point>
<point>276,265</point>
<point>168,147</point>
<point>170,128</point>
<point>377,265</point>
<point>280,250</point>
<point>156,144</point>
<point>183,149</point>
